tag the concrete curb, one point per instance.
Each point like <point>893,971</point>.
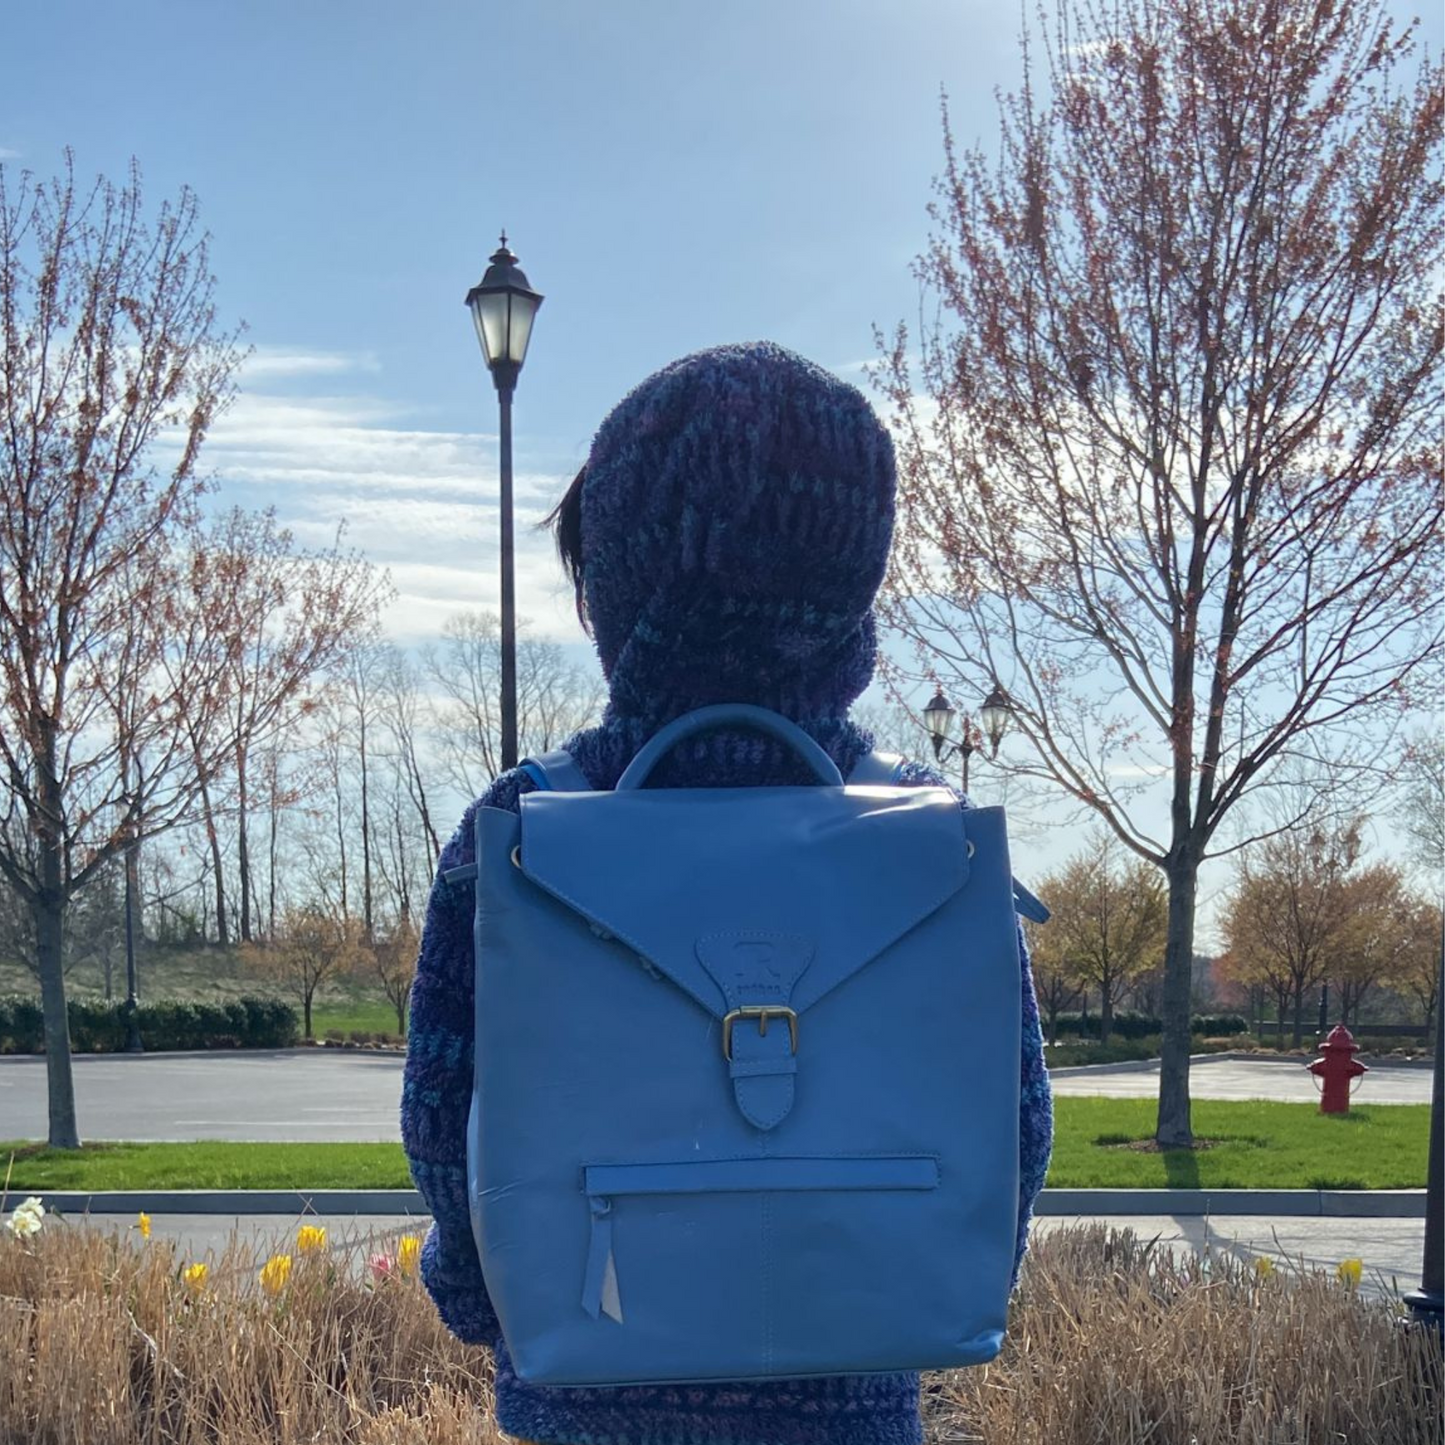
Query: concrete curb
<point>234,1201</point>
<point>1331,1203</point>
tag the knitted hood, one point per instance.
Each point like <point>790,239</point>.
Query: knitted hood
<point>736,517</point>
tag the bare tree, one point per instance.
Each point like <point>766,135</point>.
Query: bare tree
<point>554,698</point>
<point>108,346</point>
<point>362,680</point>
<point>280,618</point>
<point>1173,477</point>
<point>1422,809</point>
<point>405,721</point>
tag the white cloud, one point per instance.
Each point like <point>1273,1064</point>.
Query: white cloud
<point>7,154</point>
<point>422,504</point>
<point>270,362</point>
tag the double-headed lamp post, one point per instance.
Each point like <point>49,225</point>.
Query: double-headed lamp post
<point>504,306</point>
<point>993,714</point>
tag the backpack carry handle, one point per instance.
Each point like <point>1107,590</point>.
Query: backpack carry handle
<point>729,714</point>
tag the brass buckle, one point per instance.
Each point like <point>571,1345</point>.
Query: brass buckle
<point>762,1013</point>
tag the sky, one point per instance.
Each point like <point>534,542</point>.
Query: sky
<point>672,175</point>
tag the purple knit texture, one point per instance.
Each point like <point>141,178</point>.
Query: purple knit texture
<point>736,518</point>
<point>736,521</point>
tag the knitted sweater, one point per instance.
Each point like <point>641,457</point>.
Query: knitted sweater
<point>851,1410</point>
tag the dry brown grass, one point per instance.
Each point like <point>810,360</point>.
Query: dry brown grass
<point>1114,1340</point>
<point>101,1343</point>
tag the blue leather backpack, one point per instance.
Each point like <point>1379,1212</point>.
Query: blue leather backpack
<point>747,1073</point>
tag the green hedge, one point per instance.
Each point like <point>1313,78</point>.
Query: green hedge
<point>1142,1026</point>
<point>99,1028</point>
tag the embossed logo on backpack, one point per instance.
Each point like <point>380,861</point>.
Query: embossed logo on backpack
<point>755,963</point>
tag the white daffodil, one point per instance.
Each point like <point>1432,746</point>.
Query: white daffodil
<point>26,1219</point>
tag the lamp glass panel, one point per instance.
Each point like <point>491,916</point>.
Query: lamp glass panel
<point>524,310</point>
<point>489,310</point>
<point>995,721</point>
<point>939,719</point>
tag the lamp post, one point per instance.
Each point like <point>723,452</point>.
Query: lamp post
<point>993,713</point>
<point>131,856</point>
<point>1427,1303</point>
<point>503,306</point>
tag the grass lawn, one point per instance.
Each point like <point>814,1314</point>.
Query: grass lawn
<point>208,1165</point>
<point>1253,1144</point>
<point>353,1015</point>
<point>1257,1145</point>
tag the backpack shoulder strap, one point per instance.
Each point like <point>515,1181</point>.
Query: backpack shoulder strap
<point>876,768</point>
<point>556,772</point>
<point>553,772</point>
<point>1029,904</point>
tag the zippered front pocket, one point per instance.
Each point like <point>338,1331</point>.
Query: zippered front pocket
<point>606,1183</point>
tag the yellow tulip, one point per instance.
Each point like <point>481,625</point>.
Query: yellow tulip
<point>1349,1272</point>
<point>275,1272</point>
<point>143,1223</point>
<point>193,1276</point>
<point>309,1237</point>
<point>408,1253</point>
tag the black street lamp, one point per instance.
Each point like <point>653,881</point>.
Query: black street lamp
<point>1427,1303</point>
<point>131,857</point>
<point>994,713</point>
<point>503,306</point>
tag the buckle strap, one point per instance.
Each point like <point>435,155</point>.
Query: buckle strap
<point>756,971</point>
<point>762,1013</point>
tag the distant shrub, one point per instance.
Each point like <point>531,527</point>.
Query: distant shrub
<point>1116,1051</point>
<point>165,1025</point>
<point>1218,1025</point>
<point>1142,1026</point>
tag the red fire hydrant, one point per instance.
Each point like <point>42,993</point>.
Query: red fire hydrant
<point>1337,1070</point>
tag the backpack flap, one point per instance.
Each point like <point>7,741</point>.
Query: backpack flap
<point>756,903</point>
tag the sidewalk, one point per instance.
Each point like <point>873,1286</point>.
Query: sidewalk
<point>1389,1248</point>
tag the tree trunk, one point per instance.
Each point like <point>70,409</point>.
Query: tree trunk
<point>134,916</point>
<point>368,930</point>
<point>341,846</point>
<point>271,851</point>
<point>403,883</point>
<point>213,837</point>
<point>1174,1130</point>
<point>1299,1016</point>
<point>306,1031</point>
<point>47,908</point>
<point>243,849</point>
<point>1106,1009</point>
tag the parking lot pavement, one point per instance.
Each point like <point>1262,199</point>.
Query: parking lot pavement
<point>342,1095</point>
<point>1390,1249</point>
<point>355,1094</point>
<point>1230,1078</point>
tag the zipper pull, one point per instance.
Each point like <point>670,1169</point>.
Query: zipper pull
<point>599,1291</point>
